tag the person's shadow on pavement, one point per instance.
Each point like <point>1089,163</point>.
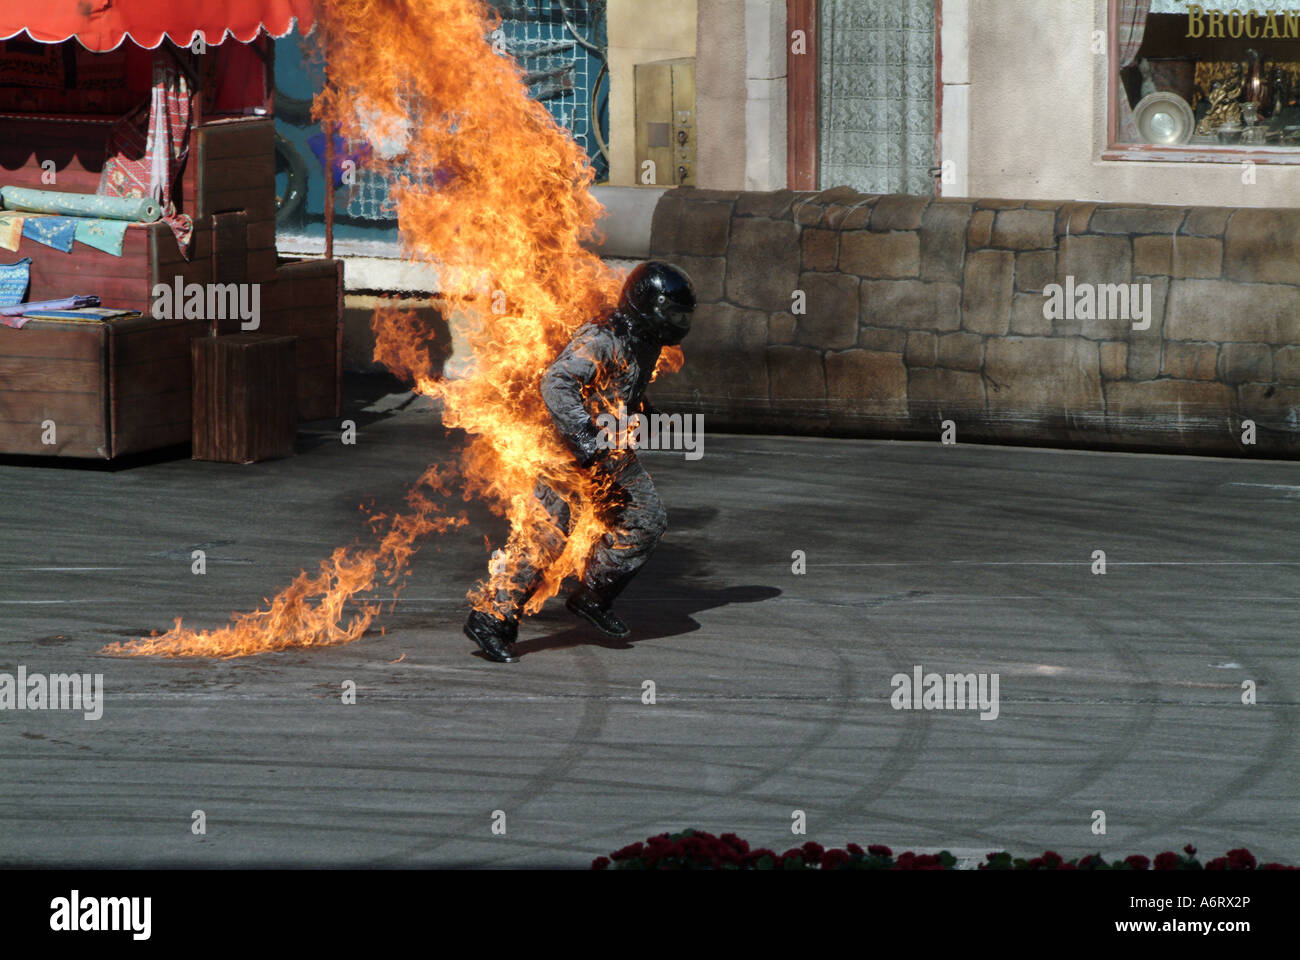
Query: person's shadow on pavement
<point>660,602</point>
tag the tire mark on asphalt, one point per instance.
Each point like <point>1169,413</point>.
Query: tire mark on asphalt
<point>1138,724</point>
<point>902,757</point>
<point>1280,741</point>
<point>898,762</point>
<point>747,785</point>
<point>591,724</point>
<point>896,769</point>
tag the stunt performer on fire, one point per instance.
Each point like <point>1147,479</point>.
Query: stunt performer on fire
<point>608,363</point>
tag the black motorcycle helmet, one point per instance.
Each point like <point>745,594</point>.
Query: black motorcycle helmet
<point>662,296</point>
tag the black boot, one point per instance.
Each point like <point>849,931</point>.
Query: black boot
<point>586,604</point>
<point>493,636</point>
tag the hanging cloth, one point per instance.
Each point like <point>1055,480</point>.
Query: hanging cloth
<point>145,159</point>
<point>1132,28</point>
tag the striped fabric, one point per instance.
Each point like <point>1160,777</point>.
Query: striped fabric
<point>146,161</point>
<point>1132,26</point>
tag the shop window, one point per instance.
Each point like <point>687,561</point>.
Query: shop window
<point>1214,81</point>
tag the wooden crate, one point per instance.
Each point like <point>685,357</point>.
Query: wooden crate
<point>109,388</point>
<point>245,397</point>
<point>149,382</point>
<point>54,374</point>
<point>236,168</point>
<point>306,301</point>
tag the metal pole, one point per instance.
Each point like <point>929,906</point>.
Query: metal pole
<point>328,125</point>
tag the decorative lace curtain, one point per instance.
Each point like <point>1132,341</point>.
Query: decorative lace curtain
<point>877,95</point>
<point>1241,6</point>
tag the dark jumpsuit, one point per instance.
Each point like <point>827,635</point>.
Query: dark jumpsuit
<point>609,361</point>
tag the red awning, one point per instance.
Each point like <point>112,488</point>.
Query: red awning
<point>102,25</point>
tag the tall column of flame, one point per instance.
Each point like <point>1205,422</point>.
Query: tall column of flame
<point>502,221</point>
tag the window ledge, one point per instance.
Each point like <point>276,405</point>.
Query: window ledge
<point>1201,153</point>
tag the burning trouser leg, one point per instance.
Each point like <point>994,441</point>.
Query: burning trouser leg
<point>516,574</point>
<point>529,552</point>
<point>634,519</point>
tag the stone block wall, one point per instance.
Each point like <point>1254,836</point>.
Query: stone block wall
<point>920,310</point>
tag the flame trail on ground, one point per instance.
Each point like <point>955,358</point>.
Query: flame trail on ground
<point>502,219</point>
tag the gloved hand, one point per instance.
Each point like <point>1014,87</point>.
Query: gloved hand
<point>595,459</point>
<point>587,448</point>
<point>592,451</point>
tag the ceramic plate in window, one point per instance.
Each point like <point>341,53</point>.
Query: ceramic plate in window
<point>1164,118</point>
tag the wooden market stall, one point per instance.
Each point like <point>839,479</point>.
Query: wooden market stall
<point>81,87</point>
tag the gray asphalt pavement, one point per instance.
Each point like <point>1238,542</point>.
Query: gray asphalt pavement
<point>1119,692</point>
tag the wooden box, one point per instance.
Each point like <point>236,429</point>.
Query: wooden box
<point>245,397</point>
<point>109,389</point>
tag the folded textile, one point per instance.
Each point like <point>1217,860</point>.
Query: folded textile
<point>14,278</point>
<point>106,235</point>
<point>141,209</point>
<point>56,232</point>
<point>81,314</point>
<point>65,303</point>
<point>11,230</point>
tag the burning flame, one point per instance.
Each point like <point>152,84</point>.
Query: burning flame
<point>502,218</point>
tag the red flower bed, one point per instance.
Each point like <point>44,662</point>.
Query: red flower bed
<point>698,850</point>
